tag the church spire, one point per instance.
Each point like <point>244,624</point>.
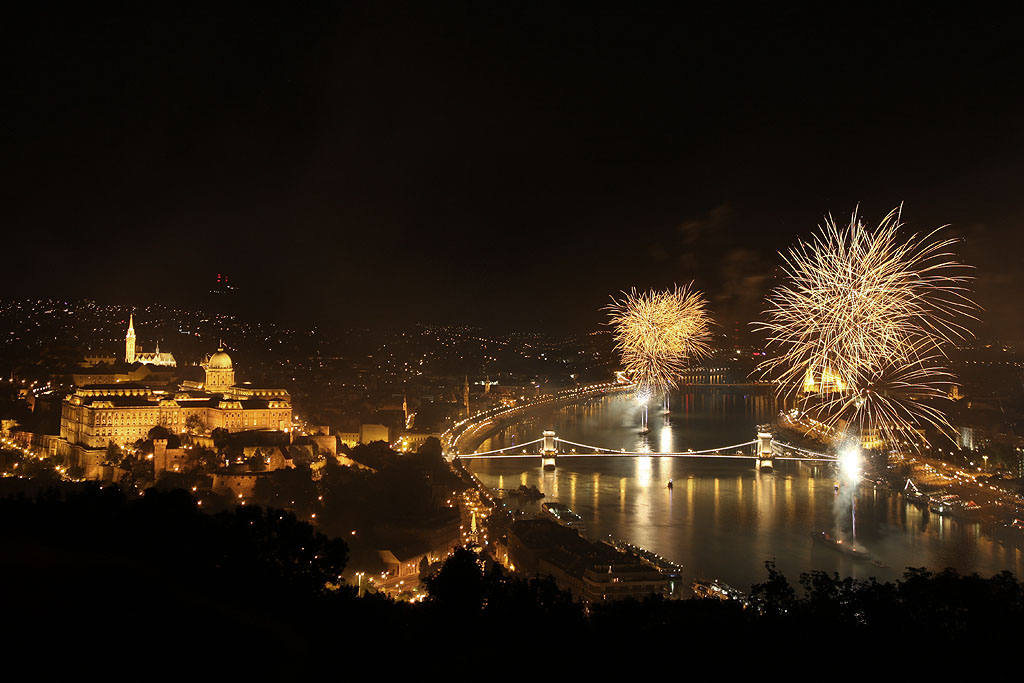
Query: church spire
<point>129,340</point>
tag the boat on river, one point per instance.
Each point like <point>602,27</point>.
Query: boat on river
<point>651,559</point>
<point>837,544</point>
<point>528,492</point>
<point>563,515</point>
<point>703,588</point>
<point>945,505</point>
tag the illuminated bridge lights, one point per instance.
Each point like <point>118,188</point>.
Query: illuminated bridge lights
<point>590,451</point>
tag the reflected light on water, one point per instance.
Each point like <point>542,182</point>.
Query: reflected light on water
<point>689,496</point>
<point>643,471</point>
<point>665,440</point>
<point>719,530</point>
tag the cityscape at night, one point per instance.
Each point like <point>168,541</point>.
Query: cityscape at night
<point>342,331</point>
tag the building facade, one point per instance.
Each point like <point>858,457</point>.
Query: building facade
<point>122,413</point>
<point>133,353</point>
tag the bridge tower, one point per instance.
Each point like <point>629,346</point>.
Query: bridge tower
<point>549,451</point>
<point>765,457</point>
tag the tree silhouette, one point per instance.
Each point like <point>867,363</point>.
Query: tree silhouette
<point>775,596</point>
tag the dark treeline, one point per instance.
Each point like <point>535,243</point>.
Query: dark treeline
<point>101,580</point>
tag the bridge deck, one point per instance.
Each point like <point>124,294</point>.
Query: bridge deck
<point>633,454</point>
<point>588,451</point>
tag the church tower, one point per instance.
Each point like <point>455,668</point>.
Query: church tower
<point>129,340</point>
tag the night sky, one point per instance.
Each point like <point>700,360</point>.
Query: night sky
<point>505,165</point>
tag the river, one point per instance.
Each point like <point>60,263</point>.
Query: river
<point>724,519</point>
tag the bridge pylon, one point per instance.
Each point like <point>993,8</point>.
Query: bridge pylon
<point>548,450</point>
<point>765,457</point>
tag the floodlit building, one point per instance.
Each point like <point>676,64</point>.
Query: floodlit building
<point>220,373</point>
<point>97,415</point>
<point>370,432</point>
<point>134,354</point>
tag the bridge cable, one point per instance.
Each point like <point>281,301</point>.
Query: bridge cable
<point>709,450</point>
<point>499,450</point>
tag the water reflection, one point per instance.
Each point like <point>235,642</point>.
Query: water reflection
<point>643,471</point>
<point>665,438</point>
<point>731,517</point>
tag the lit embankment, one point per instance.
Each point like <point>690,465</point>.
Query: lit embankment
<point>465,435</point>
<point>41,456</point>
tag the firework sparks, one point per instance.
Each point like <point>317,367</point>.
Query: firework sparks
<point>658,333</point>
<point>861,324</point>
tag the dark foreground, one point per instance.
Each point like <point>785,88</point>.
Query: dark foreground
<point>94,581</point>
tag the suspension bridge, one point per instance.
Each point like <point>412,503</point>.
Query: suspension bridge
<point>763,449</point>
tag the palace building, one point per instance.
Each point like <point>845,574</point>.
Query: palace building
<point>97,415</point>
<point>220,374</point>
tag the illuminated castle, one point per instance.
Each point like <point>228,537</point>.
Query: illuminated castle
<point>122,413</point>
<point>133,354</point>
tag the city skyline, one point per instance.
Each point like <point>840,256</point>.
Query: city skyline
<point>460,330</point>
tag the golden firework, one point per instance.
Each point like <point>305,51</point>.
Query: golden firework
<point>861,325</point>
<point>658,332</point>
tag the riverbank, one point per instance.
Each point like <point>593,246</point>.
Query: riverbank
<point>469,434</point>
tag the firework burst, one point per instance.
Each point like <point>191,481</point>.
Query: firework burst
<point>658,332</point>
<point>861,325</point>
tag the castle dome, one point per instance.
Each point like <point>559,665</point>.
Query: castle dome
<point>219,361</point>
